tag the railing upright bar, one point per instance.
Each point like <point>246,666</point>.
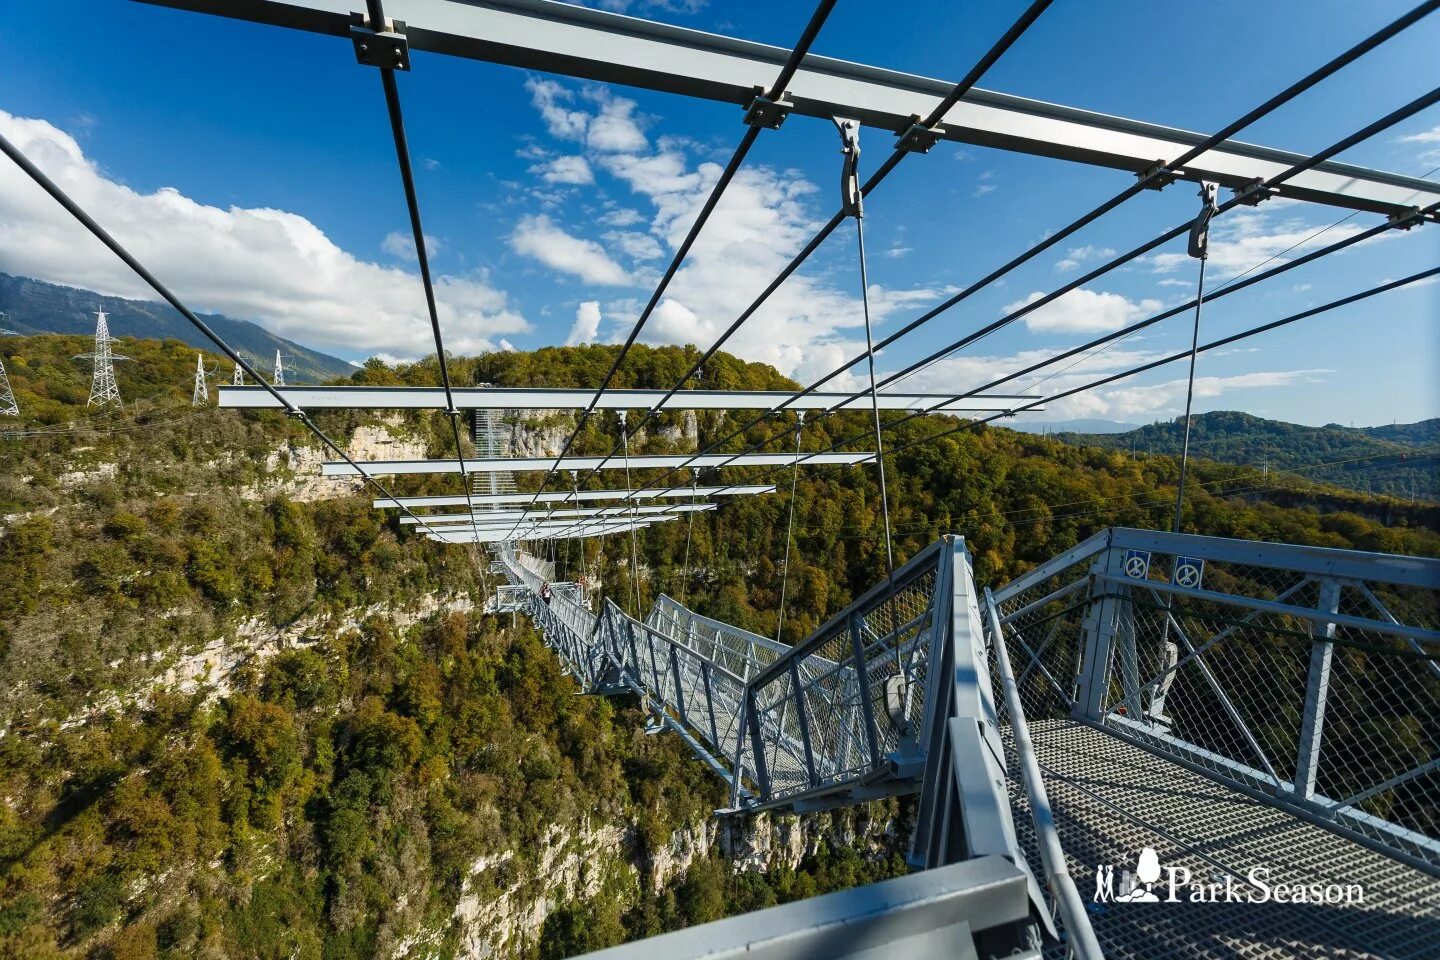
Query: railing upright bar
<point>802,714</point>
<point>1076,920</point>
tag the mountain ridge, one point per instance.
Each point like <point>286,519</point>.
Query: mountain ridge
<point>1395,459</point>
<point>36,306</point>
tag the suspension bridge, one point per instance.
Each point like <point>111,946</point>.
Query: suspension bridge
<point>1154,744</point>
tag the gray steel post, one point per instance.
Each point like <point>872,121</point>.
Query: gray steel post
<point>757,744</point>
<point>802,713</point>
<point>1317,692</point>
<point>710,704</point>
<point>1099,636</point>
<point>679,687</point>
<point>862,679</point>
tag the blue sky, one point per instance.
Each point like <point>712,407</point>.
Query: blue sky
<point>252,168</point>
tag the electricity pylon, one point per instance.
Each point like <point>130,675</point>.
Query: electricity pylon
<point>200,397</point>
<point>238,378</point>
<point>8,406</point>
<point>103,388</point>
<point>279,370</point>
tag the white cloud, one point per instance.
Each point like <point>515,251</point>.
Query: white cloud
<point>1428,137</point>
<point>808,326</point>
<point>898,251</point>
<point>1245,236</point>
<point>1145,402</point>
<point>614,129</point>
<point>402,245</point>
<point>983,189</point>
<point>1085,254</point>
<point>587,324</point>
<point>637,246</point>
<point>270,266</point>
<point>1082,311</point>
<point>568,170</point>
<point>539,237</point>
<point>551,99</point>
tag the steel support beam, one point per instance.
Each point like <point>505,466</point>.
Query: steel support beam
<point>520,398</point>
<point>341,468</point>
<point>531,516</point>
<point>585,496</point>
<point>610,48</point>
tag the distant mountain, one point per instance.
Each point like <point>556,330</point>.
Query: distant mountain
<point>1084,425</point>
<point>1400,460</point>
<point>33,306</point>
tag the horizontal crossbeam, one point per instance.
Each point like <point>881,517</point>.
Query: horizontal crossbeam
<point>585,496</point>
<point>554,531</point>
<point>519,398</point>
<point>511,516</point>
<point>595,45</point>
<point>376,468</point>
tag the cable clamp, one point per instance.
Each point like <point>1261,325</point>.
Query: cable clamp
<point>917,138</point>
<point>385,48</point>
<point>766,112</point>
<point>1157,177</point>
<point>851,197</point>
<point>1253,193</point>
<point>1406,219</point>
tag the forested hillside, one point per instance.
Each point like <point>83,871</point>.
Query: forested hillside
<point>1401,460</point>
<point>245,715</point>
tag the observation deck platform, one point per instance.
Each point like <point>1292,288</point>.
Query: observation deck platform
<point>1111,799</point>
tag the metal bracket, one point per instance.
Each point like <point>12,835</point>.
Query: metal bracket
<point>851,198</point>
<point>1253,193</point>
<point>767,113</point>
<point>1406,219</point>
<point>917,138</point>
<point>1199,246</point>
<point>1157,177</point>
<point>386,48</point>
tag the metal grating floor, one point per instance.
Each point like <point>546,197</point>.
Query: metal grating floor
<point>1112,799</point>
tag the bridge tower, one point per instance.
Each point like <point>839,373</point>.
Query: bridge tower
<point>104,391</point>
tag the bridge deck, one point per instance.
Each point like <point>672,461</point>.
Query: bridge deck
<point>1112,799</point>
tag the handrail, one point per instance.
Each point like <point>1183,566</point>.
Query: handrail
<point>1074,917</point>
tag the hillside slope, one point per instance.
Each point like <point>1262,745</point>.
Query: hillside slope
<point>33,306</point>
<point>246,715</point>
<point>1399,460</point>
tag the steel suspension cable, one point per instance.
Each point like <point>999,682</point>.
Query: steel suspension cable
<point>422,252</point>
<point>101,234</point>
<point>1145,180</point>
<point>634,551</point>
<point>789,528</point>
<point>776,92</point>
<point>689,533</point>
<point>1175,358</point>
<point>1189,402</point>
<point>1413,107</point>
<point>1031,14</point>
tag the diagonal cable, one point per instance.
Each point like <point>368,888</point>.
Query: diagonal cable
<point>101,234</point>
<point>1146,178</point>
<point>1032,13</point>
<point>792,63</point>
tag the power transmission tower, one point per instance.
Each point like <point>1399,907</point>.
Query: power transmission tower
<point>200,397</point>
<point>8,406</point>
<point>103,388</point>
<point>238,379</point>
<point>279,369</point>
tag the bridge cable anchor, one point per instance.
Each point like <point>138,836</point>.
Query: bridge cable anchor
<point>386,48</point>
<point>1157,177</point>
<point>767,113</point>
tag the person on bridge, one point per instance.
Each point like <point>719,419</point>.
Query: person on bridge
<point>545,592</point>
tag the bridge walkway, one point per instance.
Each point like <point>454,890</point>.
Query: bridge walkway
<point>1112,799</point>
